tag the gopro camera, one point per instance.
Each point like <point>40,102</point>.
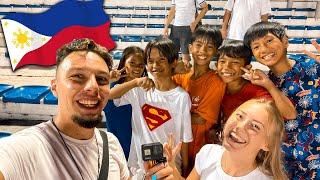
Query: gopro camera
<point>153,152</point>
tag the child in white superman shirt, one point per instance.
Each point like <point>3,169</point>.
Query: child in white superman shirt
<point>160,112</point>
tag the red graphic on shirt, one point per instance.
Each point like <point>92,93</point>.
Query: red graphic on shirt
<point>154,116</point>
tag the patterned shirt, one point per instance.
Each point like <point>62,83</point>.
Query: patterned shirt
<point>302,140</point>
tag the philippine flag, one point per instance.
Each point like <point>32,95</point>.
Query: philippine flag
<point>35,38</point>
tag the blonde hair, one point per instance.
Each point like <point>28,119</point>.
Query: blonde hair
<point>270,162</point>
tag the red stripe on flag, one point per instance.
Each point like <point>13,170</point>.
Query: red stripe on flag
<point>46,54</point>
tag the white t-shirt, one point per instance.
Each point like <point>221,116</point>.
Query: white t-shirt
<point>245,13</point>
<point>38,153</point>
<point>156,114</point>
<point>208,165</point>
<point>185,11</point>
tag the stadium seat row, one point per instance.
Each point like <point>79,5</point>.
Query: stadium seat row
<point>27,94</point>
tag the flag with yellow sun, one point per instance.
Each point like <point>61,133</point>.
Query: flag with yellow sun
<point>35,38</point>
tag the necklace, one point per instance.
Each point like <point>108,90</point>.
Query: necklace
<point>70,154</point>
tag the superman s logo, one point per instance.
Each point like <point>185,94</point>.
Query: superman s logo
<point>154,116</point>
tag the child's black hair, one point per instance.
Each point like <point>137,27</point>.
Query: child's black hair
<point>209,33</point>
<point>165,47</point>
<point>235,49</point>
<point>261,29</point>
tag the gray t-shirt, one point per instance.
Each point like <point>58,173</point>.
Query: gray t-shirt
<point>38,153</point>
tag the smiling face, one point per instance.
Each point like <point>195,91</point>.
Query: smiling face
<point>269,50</point>
<point>202,51</point>
<point>158,65</point>
<point>134,66</point>
<point>229,69</point>
<point>246,129</point>
<point>82,88</point>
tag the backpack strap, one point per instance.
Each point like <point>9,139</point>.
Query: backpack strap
<point>104,170</point>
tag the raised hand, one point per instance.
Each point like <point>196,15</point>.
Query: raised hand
<point>115,74</point>
<point>145,83</point>
<point>171,151</point>
<point>312,55</point>
<point>182,67</point>
<point>257,77</point>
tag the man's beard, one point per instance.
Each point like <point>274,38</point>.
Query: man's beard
<point>87,122</point>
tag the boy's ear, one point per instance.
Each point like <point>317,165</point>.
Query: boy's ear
<point>285,41</point>
<point>248,66</point>
<point>54,87</point>
<point>265,147</point>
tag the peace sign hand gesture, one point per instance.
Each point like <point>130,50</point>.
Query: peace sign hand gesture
<point>116,74</point>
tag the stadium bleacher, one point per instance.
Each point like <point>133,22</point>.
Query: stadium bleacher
<point>134,22</point>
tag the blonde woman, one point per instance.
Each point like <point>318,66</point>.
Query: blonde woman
<point>251,146</point>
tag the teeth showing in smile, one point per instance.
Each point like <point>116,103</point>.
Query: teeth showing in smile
<point>227,74</point>
<point>236,138</point>
<point>267,57</point>
<point>88,103</point>
<point>202,57</point>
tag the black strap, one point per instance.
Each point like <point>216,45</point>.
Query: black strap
<point>104,170</point>
<point>195,5</point>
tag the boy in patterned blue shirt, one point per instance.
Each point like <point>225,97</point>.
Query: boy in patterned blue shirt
<point>299,80</point>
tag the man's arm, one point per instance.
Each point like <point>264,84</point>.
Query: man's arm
<point>225,23</point>
<point>121,89</point>
<point>264,18</point>
<point>168,20</point>
<point>204,10</point>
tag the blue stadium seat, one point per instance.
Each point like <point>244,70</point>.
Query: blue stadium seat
<point>212,17</point>
<point>4,134</point>
<point>285,9</point>
<point>158,8</point>
<point>121,15</point>
<point>149,38</point>
<point>139,16</point>
<point>296,40</point>
<point>304,9</point>
<point>282,17</point>
<point>155,26</point>
<point>142,8</point>
<point>291,27</point>
<point>26,94</point>
<point>110,7</point>
<point>132,25</point>
<point>128,38</point>
<point>122,25</point>
<point>158,16</point>
<point>217,8</point>
<point>126,7</point>
<point>50,99</point>
<point>313,28</point>
<point>117,55</point>
<point>116,37</point>
<point>299,17</point>
<point>4,88</point>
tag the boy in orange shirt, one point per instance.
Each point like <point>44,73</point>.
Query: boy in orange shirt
<point>204,86</point>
